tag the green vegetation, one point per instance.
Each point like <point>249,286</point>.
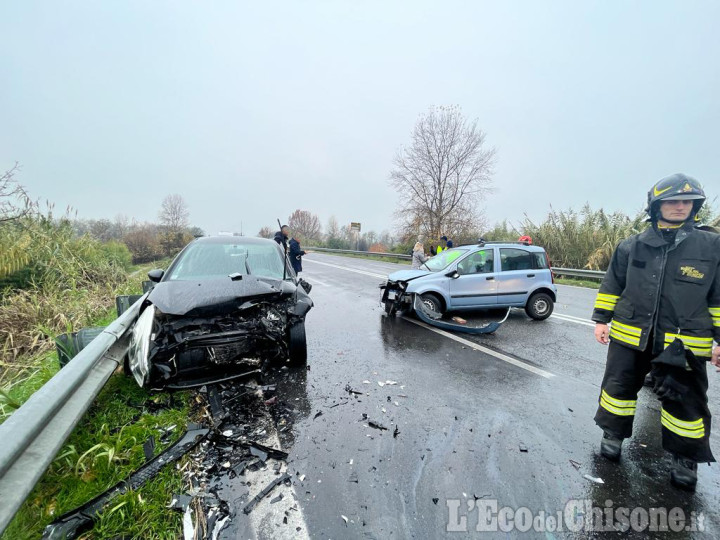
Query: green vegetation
<point>104,449</point>
<point>53,281</point>
<point>584,239</point>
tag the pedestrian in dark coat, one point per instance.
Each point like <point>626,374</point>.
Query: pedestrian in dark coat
<point>296,255</point>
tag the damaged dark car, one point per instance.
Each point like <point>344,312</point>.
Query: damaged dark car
<point>224,308</point>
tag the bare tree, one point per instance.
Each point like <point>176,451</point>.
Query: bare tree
<point>174,213</point>
<point>443,175</point>
<point>305,224</point>
<point>14,200</point>
<point>266,232</point>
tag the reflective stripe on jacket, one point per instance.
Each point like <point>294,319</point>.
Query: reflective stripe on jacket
<point>667,290</point>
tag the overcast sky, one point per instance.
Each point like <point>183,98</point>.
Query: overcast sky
<point>250,110</point>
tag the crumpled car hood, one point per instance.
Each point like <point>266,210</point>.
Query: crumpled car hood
<point>407,275</point>
<point>183,297</point>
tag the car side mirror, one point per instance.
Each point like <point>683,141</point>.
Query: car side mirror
<point>454,274</point>
<point>156,275</point>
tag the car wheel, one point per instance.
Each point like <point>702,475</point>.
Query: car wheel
<point>297,344</point>
<point>431,302</point>
<point>540,306</point>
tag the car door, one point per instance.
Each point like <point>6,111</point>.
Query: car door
<point>475,285</point>
<point>516,277</point>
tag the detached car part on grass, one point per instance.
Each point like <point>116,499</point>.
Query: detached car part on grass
<point>210,328</point>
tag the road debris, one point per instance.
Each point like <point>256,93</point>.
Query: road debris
<point>575,464</point>
<point>523,448</point>
<point>376,425</point>
<point>264,493</point>
<point>593,479</point>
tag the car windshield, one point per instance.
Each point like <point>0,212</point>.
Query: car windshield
<point>443,259</point>
<point>204,261</point>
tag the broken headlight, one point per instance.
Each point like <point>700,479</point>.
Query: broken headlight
<point>140,345</point>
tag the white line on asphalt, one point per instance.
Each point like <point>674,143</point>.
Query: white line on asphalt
<point>498,355</point>
<point>315,281</point>
<point>371,274</point>
<point>570,318</point>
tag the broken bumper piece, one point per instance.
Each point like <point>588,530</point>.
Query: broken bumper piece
<point>433,319</point>
<point>73,523</point>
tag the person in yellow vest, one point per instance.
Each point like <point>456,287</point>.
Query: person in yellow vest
<point>442,246</point>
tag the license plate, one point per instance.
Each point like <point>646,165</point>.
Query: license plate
<point>391,295</point>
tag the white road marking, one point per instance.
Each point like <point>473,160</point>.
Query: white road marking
<point>315,281</point>
<point>576,320</point>
<point>498,355</point>
<point>371,274</point>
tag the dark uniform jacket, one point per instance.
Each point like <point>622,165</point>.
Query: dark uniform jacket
<point>296,255</point>
<point>660,291</point>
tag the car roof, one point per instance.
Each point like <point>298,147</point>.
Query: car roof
<point>519,245</point>
<point>230,240</point>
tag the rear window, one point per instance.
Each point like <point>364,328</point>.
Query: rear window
<point>540,260</point>
<point>516,259</point>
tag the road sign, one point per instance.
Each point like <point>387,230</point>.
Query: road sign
<point>355,227</point>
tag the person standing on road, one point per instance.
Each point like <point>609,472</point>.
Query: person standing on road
<point>281,237</point>
<point>296,255</point>
<point>661,296</point>
<point>418,256</point>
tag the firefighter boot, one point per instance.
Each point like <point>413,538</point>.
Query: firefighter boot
<point>683,473</point>
<point>610,446</point>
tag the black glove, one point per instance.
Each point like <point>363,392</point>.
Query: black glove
<point>669,373</point>
<point>670,389</point>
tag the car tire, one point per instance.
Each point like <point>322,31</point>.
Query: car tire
<point>539,306</point>
<point>297,344</point>
<point>432,303</point>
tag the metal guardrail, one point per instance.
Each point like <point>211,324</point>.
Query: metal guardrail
<point>32,436</point>
<point>576,272</point>
<point>398,256</point>
<point>572,272</point>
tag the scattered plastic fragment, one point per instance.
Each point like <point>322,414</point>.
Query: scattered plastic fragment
<point>149,448</point>
<point>523,448</point>
<point>319,413</point>
<point>391,382</point>
<point>354,477</point>
<point>264,493</point>
<point>575,464</point>
<point>271,401</point>
<point>350,390</point>
<point>376,425</point>
<point>459,320</point>
<point>380,383</point>
<point>345,519</point>
<point>593,479</point>
<point>435,500</point>
<point>188,527</point>
<point>396,432</point>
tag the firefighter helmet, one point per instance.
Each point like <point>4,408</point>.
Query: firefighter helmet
<point>676,187</point>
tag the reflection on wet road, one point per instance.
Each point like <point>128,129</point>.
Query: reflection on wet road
<point>463,426</point>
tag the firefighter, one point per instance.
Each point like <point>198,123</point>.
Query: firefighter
<point>659,309</point>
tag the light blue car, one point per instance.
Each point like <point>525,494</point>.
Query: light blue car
<point>475,277</point>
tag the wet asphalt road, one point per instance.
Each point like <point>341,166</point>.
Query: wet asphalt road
<point>471,425</point>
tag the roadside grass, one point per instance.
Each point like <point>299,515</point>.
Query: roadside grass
<point>104,448</point>
<point>590,284</point>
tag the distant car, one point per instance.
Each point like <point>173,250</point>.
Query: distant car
<point>475,277</point>
<point>225,305</point>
